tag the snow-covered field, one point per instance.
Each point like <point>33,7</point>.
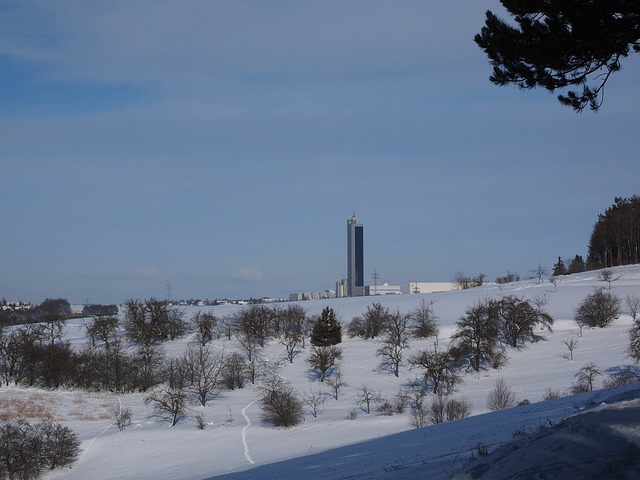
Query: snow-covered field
<point>599,431</point>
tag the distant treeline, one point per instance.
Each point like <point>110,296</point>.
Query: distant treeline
<point>51,309</point>
<point>99,310</point>
<point>615,240</point>
<point>58,309</point>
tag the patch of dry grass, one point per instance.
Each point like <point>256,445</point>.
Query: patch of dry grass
<point>55,405</point>
<point>25,407</point>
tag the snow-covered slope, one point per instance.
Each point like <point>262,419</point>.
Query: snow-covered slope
<point>335,445</point>
<point>596,440</point>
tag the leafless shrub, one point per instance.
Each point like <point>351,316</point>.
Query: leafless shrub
<point>419,415</point>
<point>281,405</point>
<point>508,278</point>
<point>385,407</point>
<point>201,424</point>
<point>501,396</point>
<point>598,309</point>
<point>498,359</point>
<point>624,376</point>
<point>457,408</point>
<point>633,350</point>
<point>122,417</point>
<point>401,400</point>
<point>26,450</point>
<point>550,394</point>
<point>448,409</point>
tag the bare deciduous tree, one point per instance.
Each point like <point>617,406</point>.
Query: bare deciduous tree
<point>371,324</point>
<point>205,370</point>
<point>234,371</point>
<point>607,275</point>
<point>585,378</point>
<point>395,342</point>
<point>571,344</point>
<point>367,396</point>
<point>226,326</point>
<point>423,320</point>
<point>518,319</point>
<point>633,303</point>
<point>149,360</point>
<point>336,382</point>
<point>314,401</point>
<point>293,321</point>
<point>634,342</point>
<point>104,329</point>
<point>463,282</point>
<point>477,332</point>
<point>323,359</point>
<point>205,324</point>
<point>439,369</point>
<point>255,323</point>
<point>170,399</point>
<point>153,321</point>
<point>418,412</point>
<point>539,272</point>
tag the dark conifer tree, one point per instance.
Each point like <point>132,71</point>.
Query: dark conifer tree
<point>326,330</point>
<point>615,239</point>
<point>559,268</point>
<point>577,265</point>
<point>561,44</point>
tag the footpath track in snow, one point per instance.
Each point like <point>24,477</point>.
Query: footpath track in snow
<point>244,432</point>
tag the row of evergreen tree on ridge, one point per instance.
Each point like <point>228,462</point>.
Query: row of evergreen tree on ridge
<point>614,241</point>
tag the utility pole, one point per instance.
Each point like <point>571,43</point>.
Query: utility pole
<point>375,277</point>
<point>168,291</point>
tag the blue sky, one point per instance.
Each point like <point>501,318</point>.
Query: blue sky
<point>222,146</point>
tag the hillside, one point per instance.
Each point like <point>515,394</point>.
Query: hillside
<point>236,441</point>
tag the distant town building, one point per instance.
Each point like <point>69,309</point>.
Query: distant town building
<point>426,287</point>
<point>341,288</point>
<point>299,296</point>
<point>355,258</point>
<point>384,289</point>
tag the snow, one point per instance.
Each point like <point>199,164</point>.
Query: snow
<point>591,435</point>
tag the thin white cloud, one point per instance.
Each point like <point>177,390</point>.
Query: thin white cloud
<point>248,275</point>
<point>168,43</point>
<point>148,273</point>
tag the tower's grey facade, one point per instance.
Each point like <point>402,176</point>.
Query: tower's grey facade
<point>355,258</point>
